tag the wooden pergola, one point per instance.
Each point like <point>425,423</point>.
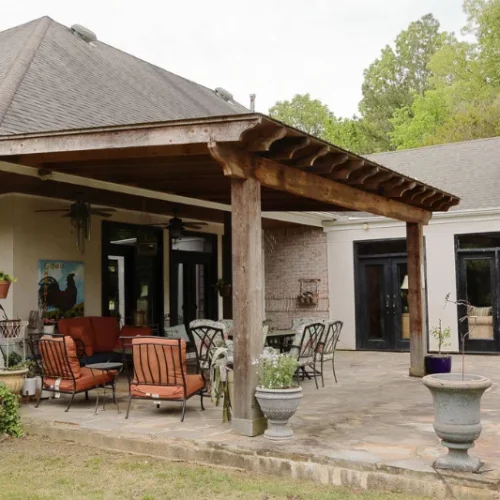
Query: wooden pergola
<point>254,164</point>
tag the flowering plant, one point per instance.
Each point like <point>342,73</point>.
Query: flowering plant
<point>276,370</point>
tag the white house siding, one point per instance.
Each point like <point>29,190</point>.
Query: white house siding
<point>26,237</point>
<point>440,265</point>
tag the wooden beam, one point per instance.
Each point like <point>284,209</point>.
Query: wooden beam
<point>399,191</point>
<point>361,175</point>
<point>273,175</point>
<point>309,160</point>
<point>248,313</point>
<point>227,269</point>
<point>326,164</point>
<point>417,306</point>
<point>287,148</point>
<point>108,139</point>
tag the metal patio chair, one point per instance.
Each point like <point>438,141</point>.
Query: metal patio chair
<point>305,348</point>
<point>207,335</point>
<point>326,347</point>
<point>61,371</point>
<point>160,372</point>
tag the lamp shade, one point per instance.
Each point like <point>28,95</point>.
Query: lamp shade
<point>404,285</point>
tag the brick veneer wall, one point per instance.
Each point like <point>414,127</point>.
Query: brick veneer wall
<point>292,254</point>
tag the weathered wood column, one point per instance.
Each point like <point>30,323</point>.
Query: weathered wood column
<point>417,304</point>
<point>247,302</point>
<point>227,269</point>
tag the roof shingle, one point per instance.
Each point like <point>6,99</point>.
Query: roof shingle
<point>69,83</point>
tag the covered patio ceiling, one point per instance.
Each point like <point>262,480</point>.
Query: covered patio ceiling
<point>184,158</point>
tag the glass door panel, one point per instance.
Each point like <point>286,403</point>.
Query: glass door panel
<point>477,285</point>
<point>400,311</point>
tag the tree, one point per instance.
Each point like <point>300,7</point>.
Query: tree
<point>306,114</point>
<point>394,80</point>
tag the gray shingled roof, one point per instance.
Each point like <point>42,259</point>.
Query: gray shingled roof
<point>51,79</point>
<point>470,170</point>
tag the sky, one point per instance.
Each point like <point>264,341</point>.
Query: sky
<point>272,48</point>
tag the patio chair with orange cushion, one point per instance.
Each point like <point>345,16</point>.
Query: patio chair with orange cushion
<point>160,372</point>
<point>61,370</point>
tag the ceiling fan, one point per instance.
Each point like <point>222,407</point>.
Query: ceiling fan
<point>80,213</point>
<point>177,226</point>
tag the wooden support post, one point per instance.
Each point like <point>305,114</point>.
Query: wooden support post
<point>417,304</point>
<point>247,303</point>
<point>227,274</point>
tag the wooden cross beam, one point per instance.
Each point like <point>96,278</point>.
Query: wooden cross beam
<point>240,164</point>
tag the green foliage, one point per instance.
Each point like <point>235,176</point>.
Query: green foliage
<point>10,421</point>
<point>13,360</point>
<point>306,114</point>
<point>276,370</point>
<point>394,79</point>
<point>441,335</point>
<point>7,277</point>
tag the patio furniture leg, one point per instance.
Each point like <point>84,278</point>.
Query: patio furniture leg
<point>322,378</point>
<point>201,397</point>
<point>183,409</point>
<point>39,397</point>
<point>333,365</point>
<point>315,373</point>
<point>70,401</point>
<point>128,406</point>
<point>86,395</point>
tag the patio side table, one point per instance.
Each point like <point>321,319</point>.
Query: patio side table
<point>106,368</point>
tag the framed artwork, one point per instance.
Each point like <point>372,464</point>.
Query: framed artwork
<point>61,288</point>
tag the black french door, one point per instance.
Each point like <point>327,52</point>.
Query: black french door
<point>478,283</point>
<point>193,275</point>
<point>382,316</point>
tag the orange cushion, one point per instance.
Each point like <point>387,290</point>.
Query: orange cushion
<point>106,332</point>
<point>85,382</point>
<point>58,361</point>
<point>194,383</point>
<point>156,360</point>
<point>81,333</point>
<point>63,326</point>
<point>131,331</point>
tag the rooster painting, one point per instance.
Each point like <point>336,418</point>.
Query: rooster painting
<point>60,288</point>
<point>50,296</point>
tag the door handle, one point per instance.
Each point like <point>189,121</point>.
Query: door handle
<point>394,304</point>
<point>387,301</point>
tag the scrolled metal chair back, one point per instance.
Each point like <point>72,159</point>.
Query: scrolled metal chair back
<point>207,335</point>
<point>309,335</point>
<point>331,337</point>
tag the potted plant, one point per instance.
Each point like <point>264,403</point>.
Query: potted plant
<point>277,394</point>
<point>49,325</point>
<point>12,374</point>
<point>30,385</point>
<point>5,281</point>
<point>457,413</point>
<point>223,288</point>
<point>439,363</point>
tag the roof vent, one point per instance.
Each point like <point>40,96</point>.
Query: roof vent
<point>227,96</point>
<point>84,33</point>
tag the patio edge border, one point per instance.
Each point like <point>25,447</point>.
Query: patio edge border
<point>342,473</point>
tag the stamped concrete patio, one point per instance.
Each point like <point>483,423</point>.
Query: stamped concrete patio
<point>371,430</point>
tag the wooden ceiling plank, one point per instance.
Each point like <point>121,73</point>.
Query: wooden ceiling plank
<point>280,177</point>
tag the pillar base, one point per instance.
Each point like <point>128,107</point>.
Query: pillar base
<point>417,372</point>
<point>249,427</point>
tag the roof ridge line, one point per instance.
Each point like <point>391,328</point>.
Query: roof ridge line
<point>20,66</point>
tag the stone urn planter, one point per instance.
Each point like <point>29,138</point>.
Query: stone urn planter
<point>457,417</point>
<point>13,379</point>
<point>278,406</point>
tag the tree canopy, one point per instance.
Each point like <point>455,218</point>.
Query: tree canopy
<point>428,87</point>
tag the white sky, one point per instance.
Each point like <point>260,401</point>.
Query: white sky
<point>273,48</point>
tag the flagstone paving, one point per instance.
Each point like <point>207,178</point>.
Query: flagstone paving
<point>375,415</point>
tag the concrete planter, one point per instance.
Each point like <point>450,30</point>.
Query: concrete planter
<point>13,379</point>
<point>457,417</point>
<point>278,406</point>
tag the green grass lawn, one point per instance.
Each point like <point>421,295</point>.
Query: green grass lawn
<point>37,468</point>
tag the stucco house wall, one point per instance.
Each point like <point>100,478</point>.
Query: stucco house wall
<point>440,269</point>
